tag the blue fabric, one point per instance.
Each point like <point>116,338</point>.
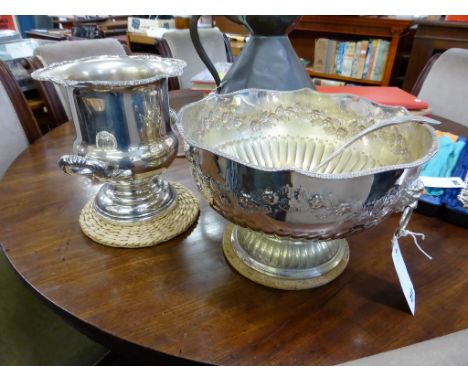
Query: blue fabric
<point>461,168</point>
<point>443,163</point>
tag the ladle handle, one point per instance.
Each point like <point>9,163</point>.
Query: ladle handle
<point>376,126</point>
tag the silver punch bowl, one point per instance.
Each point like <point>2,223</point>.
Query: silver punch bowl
<point>253,155</point>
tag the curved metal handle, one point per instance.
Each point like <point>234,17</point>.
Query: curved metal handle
<point>172,117</point>
<point>404,220</point>
<point>200,50</point>
<point>78,165</point>
<point>410,196</point>
<point>180,140</point>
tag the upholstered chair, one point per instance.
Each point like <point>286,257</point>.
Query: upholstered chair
<point>445,87</point>
<point>72,50</point>
<point>176,43</point>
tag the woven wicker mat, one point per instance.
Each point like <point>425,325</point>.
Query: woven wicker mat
<point>142,234</point>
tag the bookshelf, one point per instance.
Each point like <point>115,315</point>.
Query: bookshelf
<point>350,28</point>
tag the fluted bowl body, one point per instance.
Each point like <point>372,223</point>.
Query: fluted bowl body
<point>252,153</point>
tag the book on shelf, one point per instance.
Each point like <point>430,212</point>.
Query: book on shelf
<point>361,59</point>
<point>331,53</point>
<point>364,59</point>
<point>205,82</point>
<point>348,57</point>
<point>320,54</point>
<point>380,60</point>
<point>357,48</point>
<point>373,51</point>
<point>367,62</point>
<point>339,56</point>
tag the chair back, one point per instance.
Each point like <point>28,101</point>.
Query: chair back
<point>18,127</point>
<point>176,43</point>
<point>446,86</point>
<point>73,50</point>
<point>422,76</point>
<point>48,94</point>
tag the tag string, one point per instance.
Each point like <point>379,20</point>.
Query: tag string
<point>414,235</point>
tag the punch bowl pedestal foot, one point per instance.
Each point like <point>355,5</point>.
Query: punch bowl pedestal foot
<point>283,263</point>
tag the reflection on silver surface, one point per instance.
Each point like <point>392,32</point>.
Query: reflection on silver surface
<point>120,110</point>
<point>252,153</point>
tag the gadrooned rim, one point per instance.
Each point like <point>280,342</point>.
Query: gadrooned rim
<point>174,68</point>
<point>417,163</point>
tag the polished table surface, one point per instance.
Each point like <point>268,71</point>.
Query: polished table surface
<point>181,301</point>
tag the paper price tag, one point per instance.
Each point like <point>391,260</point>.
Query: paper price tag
<point>403,276</point>
<point>449,182</point>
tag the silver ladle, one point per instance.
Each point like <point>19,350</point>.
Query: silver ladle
<point>376,126</point>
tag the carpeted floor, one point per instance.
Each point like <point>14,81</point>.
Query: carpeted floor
<point>32,334</point>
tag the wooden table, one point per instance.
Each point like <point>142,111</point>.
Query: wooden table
<point>181,302</point>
